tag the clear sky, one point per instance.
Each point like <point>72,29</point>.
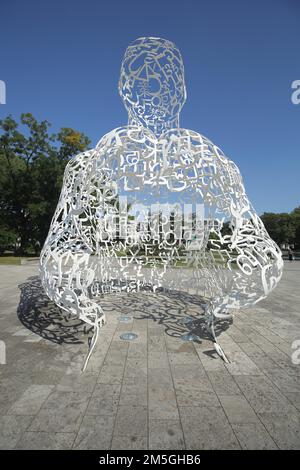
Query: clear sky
<point>60,60</point>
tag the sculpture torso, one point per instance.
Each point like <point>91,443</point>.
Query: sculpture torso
<point>140,202</point>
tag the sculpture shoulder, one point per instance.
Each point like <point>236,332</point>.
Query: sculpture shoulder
<point>205,148</point>
<point>125,135</point>
<point>79,160</point>
<point>119,140</point>
<point>110,139</point>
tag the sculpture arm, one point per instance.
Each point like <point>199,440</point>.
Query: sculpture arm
<point>253,257</point>
<point>64,234</point>
<point>64,261</point>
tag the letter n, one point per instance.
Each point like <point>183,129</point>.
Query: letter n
<point>2,92</point>
<point>2,353</point>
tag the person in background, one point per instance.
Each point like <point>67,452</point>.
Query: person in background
<point>291,255</point>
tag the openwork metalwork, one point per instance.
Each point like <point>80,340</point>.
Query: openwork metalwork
<point>154,205</point>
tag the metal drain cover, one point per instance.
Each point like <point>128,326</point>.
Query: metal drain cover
<point>189,337</point>
<point>125,318</point>
<point>128,336</point>
<point>185,320</point>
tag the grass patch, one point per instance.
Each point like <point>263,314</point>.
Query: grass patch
<point>9,260</point>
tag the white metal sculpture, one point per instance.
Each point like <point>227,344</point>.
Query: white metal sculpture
<point>155,205</point>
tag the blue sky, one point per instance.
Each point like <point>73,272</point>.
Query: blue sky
<point>61,60</point>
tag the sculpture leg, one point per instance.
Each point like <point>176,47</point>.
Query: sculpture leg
<point>99,321</point>
<point>76,302</point>
<point>211,315</point>
<point>92,314</point>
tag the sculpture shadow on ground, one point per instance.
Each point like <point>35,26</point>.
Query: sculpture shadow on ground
<point>165,307</point>
<point>40,315</point>
<point>169,308</point>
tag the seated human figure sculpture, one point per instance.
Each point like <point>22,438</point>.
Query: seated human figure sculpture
<point>155,206</point>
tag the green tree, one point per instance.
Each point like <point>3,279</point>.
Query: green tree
<point>32,165</point>
<point>280,227</point>
<point>7,239</point>
<point>295,216</point>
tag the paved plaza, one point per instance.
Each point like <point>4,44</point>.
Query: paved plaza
<point>157,392</point>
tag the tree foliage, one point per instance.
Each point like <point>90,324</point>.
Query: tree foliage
<point>284,227</point>
<point>32,163</point>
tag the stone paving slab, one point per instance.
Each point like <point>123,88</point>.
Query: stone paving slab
<point>157,392</point>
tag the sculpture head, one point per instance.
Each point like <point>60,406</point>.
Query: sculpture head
<point>152,83</point>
